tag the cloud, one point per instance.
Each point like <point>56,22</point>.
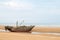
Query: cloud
<point>17,4</point>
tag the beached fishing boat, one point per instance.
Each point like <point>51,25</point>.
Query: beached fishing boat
<point>19,28</point>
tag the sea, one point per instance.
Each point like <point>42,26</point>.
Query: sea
<point>36,24</point>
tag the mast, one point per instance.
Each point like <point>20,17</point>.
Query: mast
<point>17,23</point>
<point>22,22</point>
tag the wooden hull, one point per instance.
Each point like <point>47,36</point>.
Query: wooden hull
<point>19,29</point>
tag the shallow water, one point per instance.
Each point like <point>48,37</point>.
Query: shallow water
<point>46,33</point>
<point>3,30</point>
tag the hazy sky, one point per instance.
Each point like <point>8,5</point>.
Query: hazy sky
<point>32,11</point>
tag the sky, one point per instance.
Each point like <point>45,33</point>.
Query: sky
<point>31,11</point>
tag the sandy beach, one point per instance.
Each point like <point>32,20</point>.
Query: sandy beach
<point>30,36</point>
<point>26,36</point>
<point>46,29</point>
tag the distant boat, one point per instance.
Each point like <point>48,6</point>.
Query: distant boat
<point>19,28</point>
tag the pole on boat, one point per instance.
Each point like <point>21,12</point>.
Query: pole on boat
<point>17,23</point>
<point>22,22</point>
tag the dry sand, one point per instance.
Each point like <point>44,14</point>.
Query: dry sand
<point>26,36</point>
<point>46,29</point>
<point>2,27</point>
